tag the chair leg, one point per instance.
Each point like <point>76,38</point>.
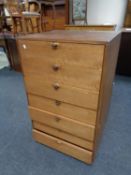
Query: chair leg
<point>31,24</point>
<point>14,26</point>
<point>43,23</point>
<point>26,24</point>
<point>21,27</point>
<point>37,25</point>
<point>39,22</point>
<point>23,23</point>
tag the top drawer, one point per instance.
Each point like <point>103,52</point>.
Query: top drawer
<point>87,55</point>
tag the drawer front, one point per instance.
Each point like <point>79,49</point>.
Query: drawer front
<point>63,146</point>
<point>73,54</point>
<point>63,135</point>
<point>67,125</point>
<point>80,97</point>
<point>73,75</point>
<point>64,109</point>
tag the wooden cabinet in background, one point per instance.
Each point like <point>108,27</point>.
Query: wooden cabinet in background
<point>8,43</point>
<point>68,77</point>
<point>54,12</point>
<point>13,52</point>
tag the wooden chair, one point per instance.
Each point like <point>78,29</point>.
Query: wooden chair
<point>34,5</point>
<point>22,19</point>
<point>32,17</point>
<point>15,15</point>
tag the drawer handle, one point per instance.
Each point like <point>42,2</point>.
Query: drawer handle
<point>56,67</point>
<point>56,86</point>
<point>55,45</point>
<point>58,103</point>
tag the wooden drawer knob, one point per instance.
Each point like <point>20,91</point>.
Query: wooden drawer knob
<point>56,67</point>
<point>56,86</point>
<point>55,45</point>
<point>58,103</point>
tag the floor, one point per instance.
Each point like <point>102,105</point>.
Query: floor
<point>20,155</point>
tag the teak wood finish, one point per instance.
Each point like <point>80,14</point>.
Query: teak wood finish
<point>68,77</point>
<point>91,27</point>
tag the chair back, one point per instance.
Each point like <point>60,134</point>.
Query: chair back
<point>33,6</point>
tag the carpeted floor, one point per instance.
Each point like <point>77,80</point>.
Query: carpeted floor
<point>20,155</point>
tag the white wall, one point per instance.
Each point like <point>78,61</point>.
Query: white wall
<point>106,11</point>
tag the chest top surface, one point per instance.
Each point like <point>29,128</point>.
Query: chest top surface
<point>96,37</point>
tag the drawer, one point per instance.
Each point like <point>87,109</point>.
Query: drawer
<point>87,55</point>
<point>57,107</point>
<point>75,128</point>
<point>72,75</point>
<point>63,135</point>
<point>62,146</point>
<point>76,96</point>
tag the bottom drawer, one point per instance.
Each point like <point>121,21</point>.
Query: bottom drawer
<point>62,146</point>
<point>63,135</point>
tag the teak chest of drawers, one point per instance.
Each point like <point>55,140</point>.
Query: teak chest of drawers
<point>68,78</point>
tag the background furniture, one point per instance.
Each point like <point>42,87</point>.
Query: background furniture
<point>33,16</point>
<point>1,15</point>
<point>13,52</point>
<point>124,58</point>
<point>3,44</point>
<point>69,87</point>
<point>22,19</point>
<point>54,13</point>
<point>128,15</point>
<point>8,43</point>
<point>4,26</point>
<point>15,16</point>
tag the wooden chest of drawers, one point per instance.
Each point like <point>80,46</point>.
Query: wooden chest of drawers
<point>68,78</point>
